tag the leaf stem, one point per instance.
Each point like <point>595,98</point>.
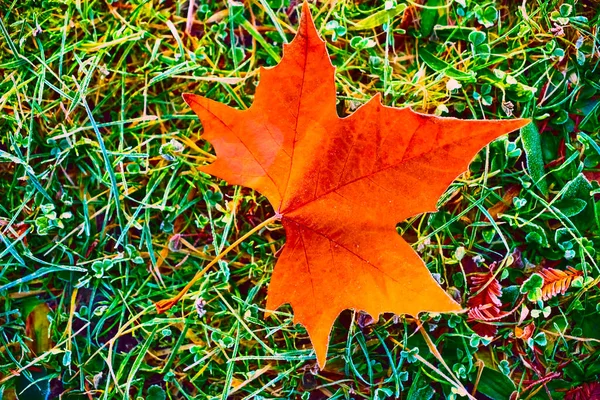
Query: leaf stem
<point>164,305</point>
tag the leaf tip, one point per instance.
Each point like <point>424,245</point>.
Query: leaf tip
<point>521,122</point>
<point>188,98</point>
<point>377,98</point>
<point>320,342</point>
<point>524,122</point>
<point>307,24</point>
<point>321,359</point>
<point>305,8</point>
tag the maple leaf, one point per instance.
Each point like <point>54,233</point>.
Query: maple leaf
<point>340,185</point>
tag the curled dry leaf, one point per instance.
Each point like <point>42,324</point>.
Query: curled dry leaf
<point>14,231</point>
<point>506,202</point>
<point>557,281</point>
<point>484,303</point>
<point>526,332</point>
<point>485,290</point>
<point>340,185</point>
<point>37,327</point>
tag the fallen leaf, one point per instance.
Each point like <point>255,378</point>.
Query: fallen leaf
<point>526,332</point>
<point>485,289</point>
<point>37,328</point>
<point>484,303</point>
<point>15,231</point>
<point>340,186</point>
<point>556,281</point>
<point>507,200</point>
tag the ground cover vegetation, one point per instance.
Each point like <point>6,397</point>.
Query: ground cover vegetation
<point>103,211</point>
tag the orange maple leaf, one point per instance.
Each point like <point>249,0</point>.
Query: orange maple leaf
<point>340,185</point>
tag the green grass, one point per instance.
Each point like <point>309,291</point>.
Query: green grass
<point>103,212</point>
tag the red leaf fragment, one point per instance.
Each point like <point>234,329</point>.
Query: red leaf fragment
<point>587,391</point>
<point>557,281</point>
<point>485,304</point>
